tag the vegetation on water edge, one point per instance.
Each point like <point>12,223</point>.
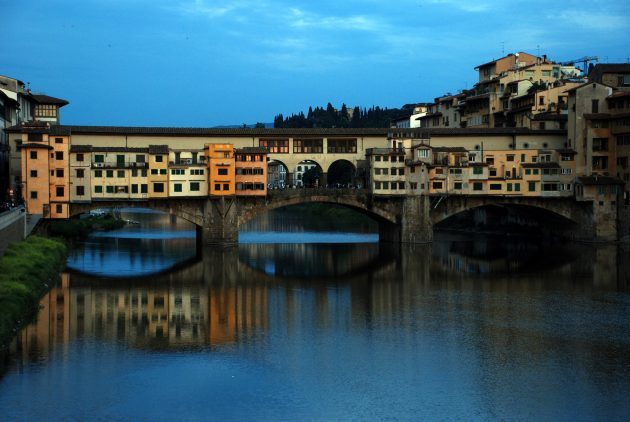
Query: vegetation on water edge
<point>28,270</point>
<point>79,228</point>
<point>333,215</point>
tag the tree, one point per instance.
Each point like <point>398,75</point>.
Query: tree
<point>312,177</point>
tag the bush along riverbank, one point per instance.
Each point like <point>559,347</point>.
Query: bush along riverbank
<point>28,270</point>
<point>76,228</point>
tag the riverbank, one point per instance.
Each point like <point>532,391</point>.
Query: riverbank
<point>28,270</point>
<point>79,228</point>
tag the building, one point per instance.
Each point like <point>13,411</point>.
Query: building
<point>251,171</point>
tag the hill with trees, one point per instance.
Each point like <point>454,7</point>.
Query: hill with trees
<point>329,117</point>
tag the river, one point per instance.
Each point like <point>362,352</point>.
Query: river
<point>145,327</point>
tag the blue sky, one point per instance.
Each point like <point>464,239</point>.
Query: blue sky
<point>214,62</point>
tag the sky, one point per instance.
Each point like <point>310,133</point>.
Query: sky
<point>203,63</point>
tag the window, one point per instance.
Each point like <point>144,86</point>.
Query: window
<point>517,187</point>
<point>163,171</point>
<point>109,173</point>
<point>477,186</point>
<point>457,185</point>
<point>226,186</point>
<point>33,173</point>
<point>80,157</point>
<point>566,171</point>
<point>59,191</point>
<point>98,189</point>
<point>59,172</point>
<point>158,187</point>
<point>177,172</point>
<point>222,172</point>
<point>531,186</point>
<point>594,106</point>
<point>197,172</point>
<point>437,185</point>
<point>80,190</point>
<point>140,158</point>
<point>309,146</point>
<point>377,185</point>
<point>33,155</point>
<point>144,188</point>
<point>276,146</point>
<point>509,187</point>
<point>159,158</point>
<point>34,194</point>
<point>109,189</point>
<point>477,170</point>
<point>59,208</point>
<point>495,186</point>
<point>120,173</point>
<point>510,157</point>
<point>493,172</point>
<point>154,171</point>
<point>120,160</point>
<point>342,146</point>
<point>58,155</point>
<point>98,173</point>
<point>600,144</point>
<point>134,188</point>
<point>194,186</point>
<point>177,187</point>
<point>45,110</point>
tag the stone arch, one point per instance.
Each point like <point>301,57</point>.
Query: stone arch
<point>381,215</point>
<point>558,209</point>
<point>277,174</point>
<point>301,169</point>
<point>190,210</point>
<point>341,172</point>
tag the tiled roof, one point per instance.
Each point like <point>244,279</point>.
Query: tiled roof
<point>599,180</point>
<point>227,132</point>
<point>90,148</point>
<point>541,165</point>
<point>35,145</point>
<point>47,99</point>
<point>449,149</point>
<point>252,150</point>
<point>158,149</point>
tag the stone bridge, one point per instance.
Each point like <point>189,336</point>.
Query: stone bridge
<point>406,219</point>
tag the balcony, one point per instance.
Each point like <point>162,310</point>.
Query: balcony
<point>121,165</point>
<point>187,162</point>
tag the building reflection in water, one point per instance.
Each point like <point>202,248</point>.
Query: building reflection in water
<point>230,298</point>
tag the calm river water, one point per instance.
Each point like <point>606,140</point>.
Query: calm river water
<point>144,327</point>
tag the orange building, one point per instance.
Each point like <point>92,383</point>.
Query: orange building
<point>221,169</point>
<point>45,171</point>
<point>251,171</point>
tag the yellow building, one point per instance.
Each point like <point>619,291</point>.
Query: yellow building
<point>158,171</point>
<point>188,173</point>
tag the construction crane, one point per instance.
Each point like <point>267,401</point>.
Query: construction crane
<point>584,60</point>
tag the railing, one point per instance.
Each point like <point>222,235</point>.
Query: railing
<point>120,165</point>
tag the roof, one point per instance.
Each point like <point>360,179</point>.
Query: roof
<point>600,69</point>
<point>575,88</point>
<point>449,149</point>
<point>619,94</point>
<point>204,132</point>
<point>541,165</point>
<point>158,149</point>
<point>35,145</point>
<point>252,150</point>
<point>90,148</point>
<point>551,116</point>
<point>47,99</point>
<point>566,151</point>
<point>599,180</point>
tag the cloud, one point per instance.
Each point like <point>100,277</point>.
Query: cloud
<point>200,8</point>
<point>592,20</point>
<point>465,5</point>
<point>298,18</point>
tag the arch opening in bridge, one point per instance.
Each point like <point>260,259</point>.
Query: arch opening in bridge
<point>277,174</point>
<point>308,174</point>
<point>508,218</point>
<point>341,173</point>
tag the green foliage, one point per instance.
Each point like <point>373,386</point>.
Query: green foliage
<point>328,117</point>
<point>312,177</point>
<point>28,270</point>
<point>80,228</point>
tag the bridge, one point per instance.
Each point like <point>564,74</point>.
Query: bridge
<point>401,219</point>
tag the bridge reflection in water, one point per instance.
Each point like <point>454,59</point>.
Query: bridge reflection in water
<point>232,297</point>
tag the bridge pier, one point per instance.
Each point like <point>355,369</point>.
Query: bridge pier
<point>220,222</point>
<point>414,223</point>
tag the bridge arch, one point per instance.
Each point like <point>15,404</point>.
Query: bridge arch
<point>277,174</point>
<point>341,173</point>
<point>191,210</point>
<point>560,214</point>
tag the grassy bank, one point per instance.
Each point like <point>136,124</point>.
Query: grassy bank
<point>28,270</point>
<point>76,228</point>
